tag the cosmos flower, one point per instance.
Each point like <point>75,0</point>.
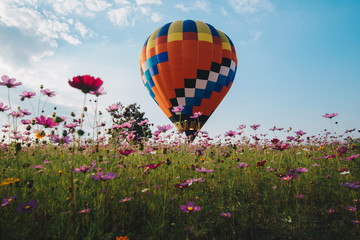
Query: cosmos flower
<point>84,168</point>
<point>226,214</point>
<point>86,83</point>
<point>196,115</point>
<point>84,211</point>
<point>101,177</point>
<point>7,201</point>
<point>330,116</point>
<point>47,92</point>
<point>3,107</point>
<point>301,170</point>
<point>164,128</point>
<point>230,133</point>
<point>46,122</point>
<point>126,152</point>
<point>255,126</point>
<point>62,140</point>
<point>351,209</point>
<point>177,109</point>
<point>242,165</point>
<point>351,185</point>
<point>125,200</point>
<point>9,82</point>
<point>203,170</point>
<point>113,108</point>
<point>26,94</point>
<point>143,122</point>
<point>28,207</point>
<point>300,133</point>
<point>190,207</point>
<point>98,92</point>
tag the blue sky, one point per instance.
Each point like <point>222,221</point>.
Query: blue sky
<point>297,60</point>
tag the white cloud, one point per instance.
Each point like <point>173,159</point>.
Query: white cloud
<point>142,2</point>
<point>81,29</point>
<point>97,5</point>
<point>251,6</point>
<point>197,5</point>
<point>122,2</point>
<point>65,7</point>
<point>224,12</point>
<point>120,16</point>
<point>255,34</point>
<point>70,39</point>
<point>202,5</point>
<point>156,17</point>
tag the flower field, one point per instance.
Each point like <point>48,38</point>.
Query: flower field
<point>56,183</point>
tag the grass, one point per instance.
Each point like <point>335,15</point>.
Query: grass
<point>262,204</point>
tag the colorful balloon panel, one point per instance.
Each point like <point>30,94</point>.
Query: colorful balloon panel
<point>190,64</point>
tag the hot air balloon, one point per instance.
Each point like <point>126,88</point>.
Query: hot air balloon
<point>188,64</point>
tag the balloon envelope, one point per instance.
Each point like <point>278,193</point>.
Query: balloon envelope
<point>189,64</point>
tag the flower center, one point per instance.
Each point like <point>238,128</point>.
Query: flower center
<point>27,207</point>
<point>190,209</point>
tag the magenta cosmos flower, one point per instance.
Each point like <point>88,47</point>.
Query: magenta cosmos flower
<point>126,152</point>
<point>3,107</point>
<point>164,128</point>
<point>255,126</point>
<point>177,109</point>
<point>26,94</point>
<point>86,83</point>
<point>46,122</point>
<point>100,176</point>
<point>9,82</point>
<point>113,108</point>
<point>190,207</point>
<point>226,214</point>
<point>47,92</point>
<point>7,201</point>
<point>196,115</point>
<point>98,92</point>
<point>230,133</point>
<point>331,115</point>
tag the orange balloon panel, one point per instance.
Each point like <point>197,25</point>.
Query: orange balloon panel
<point>189,64</point>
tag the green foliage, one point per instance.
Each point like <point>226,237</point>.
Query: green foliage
<point>132,113</point>
<point>262,205</point>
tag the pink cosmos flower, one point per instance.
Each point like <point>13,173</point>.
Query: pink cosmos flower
<point>143,122</point>
<point>113,108</point>
<point>3,107</point>
<point>327,115</point>
<point>47,92</point>
<point>26,94</point>
<point>230,133</point>
<point>25,112</point>
<point>125,200</point>
<point>98,92</point>
<point>177,109</point>
<point>255,126</point>
<point>196,115</point>
<point>17,114</point>
<point>9,82</point>
<point>242,126</point>
<point>84,210</point>
<point>300,133</point>
<point>190,207</point>
<point>46,122</point>
<point>204,170</point>
<point>226,214</point>
<point>126,152</point>
<point>164,128</point>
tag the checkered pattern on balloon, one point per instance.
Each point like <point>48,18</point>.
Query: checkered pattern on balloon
<point>190,64</point>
